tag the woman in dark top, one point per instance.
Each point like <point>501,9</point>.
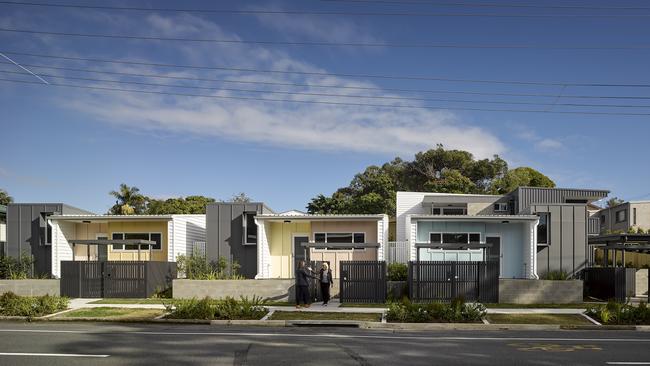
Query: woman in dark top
<point>303,276</point>
<point>326,282</point>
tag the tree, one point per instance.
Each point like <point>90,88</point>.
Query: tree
<point>521,177</point>
<point>240,198</point>
<point>436,170</point>
<point>187,205</point>
<point>129,201</point>
<point>614,201</point>
<point>5,198</point>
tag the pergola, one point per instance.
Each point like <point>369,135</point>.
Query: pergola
<point>104,243</point>
<point>637,243</point>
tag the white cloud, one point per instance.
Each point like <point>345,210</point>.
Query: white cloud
<point>549,144</point>
<point>285,124</point>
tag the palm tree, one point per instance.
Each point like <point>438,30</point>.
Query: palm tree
<point>5,198</point>
<point>128,201</point>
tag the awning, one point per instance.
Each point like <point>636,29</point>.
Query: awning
<point>453,246</point>
<point>620,239</point>
<point>340,245</point>
<point>111,242</point>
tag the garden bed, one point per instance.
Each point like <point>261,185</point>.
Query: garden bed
<point>217,309</point>
<point>614,313</point>
<point>31,306</point>
<point>455,312</point>
<point>150,301</point>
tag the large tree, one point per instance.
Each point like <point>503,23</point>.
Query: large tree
<point>435,170</point>
<point>187,205</point>
<point>128,201</point>
<point>5,198</point>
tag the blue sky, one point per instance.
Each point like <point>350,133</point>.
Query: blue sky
<point>75,145</point>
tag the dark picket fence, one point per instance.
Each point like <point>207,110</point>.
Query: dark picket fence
<point>113,279</point>
<point>609,283</point>
<point>445,281</point>
<point>362,281</point>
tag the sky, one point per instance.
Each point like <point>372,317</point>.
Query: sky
<point>347,106</point>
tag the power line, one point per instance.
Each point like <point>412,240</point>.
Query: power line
<point>328,44</point>
<point>491,5</point>
<point>338,95</point>
<point>317,73</point>
<point>331,13</point>
<point>539,95</point>
<point>328,102</point>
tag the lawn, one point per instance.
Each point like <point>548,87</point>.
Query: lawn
<point>312,315</point>
<point>561,319</point>
<point>131,301</point>
<point>361,305</point>
<point>538,306</point>
<point>112,313</point>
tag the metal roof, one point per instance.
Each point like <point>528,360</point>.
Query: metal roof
<point>620,239</point>
<point>111,217</point>
<point>111,242</point>
<point>320,217</point>
<point>476,217</point>
<point>340,245</point>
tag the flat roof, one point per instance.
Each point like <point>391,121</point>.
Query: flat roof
<point>620,239</point>
<point>111,217</point>
<point>351,217</point>
<point>469,218</point>
<point>111,242</point>
<point>340,245</point>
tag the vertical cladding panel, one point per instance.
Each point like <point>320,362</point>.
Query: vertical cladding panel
<point>213,225</point>
<point>580,238</point>
<point>555,247</point>
<point>568,228</point>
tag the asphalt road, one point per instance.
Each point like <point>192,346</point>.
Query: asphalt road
<point>156,344</point>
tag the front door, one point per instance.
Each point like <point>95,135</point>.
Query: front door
<point>494,251</point>
<point>300,253</point>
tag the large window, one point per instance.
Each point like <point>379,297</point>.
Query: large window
<point>156,237</point>
<point>250,228</point>
<point>356,238</point>
<point>621,215</point>
<point>455,238</point>
<point>542,229</point>
<point>449,211</point>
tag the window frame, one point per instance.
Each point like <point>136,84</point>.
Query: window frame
<point>503,207</point>
<point>245,216</point>
<point>443,209</point>
<point>547,216</point>
<point>469,233</point>
<point>624,211</point>
<point>633,215</point>
<point>338,249</point>
<point>124,250</point>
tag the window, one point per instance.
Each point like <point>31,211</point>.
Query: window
<point>156,237</point>
<point>357,238</point>
<point>250,228</point>
<point>621,215</point>
<point>455,238</point>
<point>634,216</point>
<point>500,207</point>
<point>436,211</point>
<point>602,220</point>
<point>435,237</point>
<point>575,201</point>
<point>474,238</point>
<point>542,229</point>
<point>449,211</point>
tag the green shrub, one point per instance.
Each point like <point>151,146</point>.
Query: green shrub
<point>397,272</point>
<point>16,268</point>
<point>556,276</point>
<point>197,267</point>
<point>222,309</point>
<point>31,306</point>
<point>456,311</point>
<point>617,313</point>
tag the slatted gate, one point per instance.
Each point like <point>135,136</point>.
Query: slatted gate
<point>362,281</point>
<point>609,283</point>
<point>445,281</point>
<point>115,279</point>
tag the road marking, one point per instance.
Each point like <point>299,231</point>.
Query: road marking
<point>329,335</point>
<point>550,347</point>
<point>627,363</point>
<point>51,354</point>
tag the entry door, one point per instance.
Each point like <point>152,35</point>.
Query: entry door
<point>300,253</point>
<point>494,252</point>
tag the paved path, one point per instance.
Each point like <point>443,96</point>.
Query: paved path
<point>72,344</point>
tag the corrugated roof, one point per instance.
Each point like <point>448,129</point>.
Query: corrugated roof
<point>111,217</point>
<point>477,217</point>
<point>320,216</point>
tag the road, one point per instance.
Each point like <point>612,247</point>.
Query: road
<point>166,344</point>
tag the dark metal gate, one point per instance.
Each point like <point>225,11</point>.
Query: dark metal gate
<point>609,283</point>
<point>445,281</point>
<point>362,281</point>
<point>97,279</point>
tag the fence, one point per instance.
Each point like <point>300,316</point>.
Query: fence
<point>608,283</point>
<point>445,281</point>
<point>362,281</point>
<point>95,279</point>
<point>397,252</point>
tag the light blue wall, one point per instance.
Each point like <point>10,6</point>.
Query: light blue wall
<point>512,243</point>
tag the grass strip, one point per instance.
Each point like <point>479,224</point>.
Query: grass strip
<point>313,315</point>
<point>156,301</point>
<point>559,319</point>
<point>112,313</point>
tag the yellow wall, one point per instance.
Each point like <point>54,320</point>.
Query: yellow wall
<point>88,232</point>
<point>138,227</point>
<point>638,260</point>
<point>280,246</point>
<point>280,237</point>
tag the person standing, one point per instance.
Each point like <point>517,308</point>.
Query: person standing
<point>326,282</point>
<point>302,285</point>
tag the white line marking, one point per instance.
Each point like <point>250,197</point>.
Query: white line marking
<point>329,335</point>
<point>51,354</point>
<point>628,363</point>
